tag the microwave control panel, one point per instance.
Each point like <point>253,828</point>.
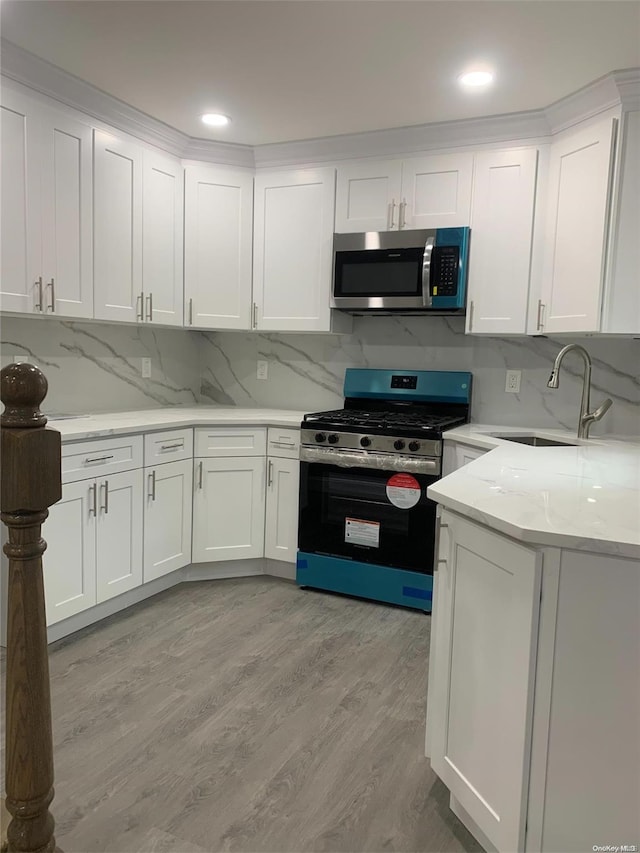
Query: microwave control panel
<point>445,263</point>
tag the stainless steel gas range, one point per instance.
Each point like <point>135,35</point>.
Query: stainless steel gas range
<point>366,526</point>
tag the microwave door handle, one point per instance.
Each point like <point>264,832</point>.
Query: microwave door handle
<point>426,272</point>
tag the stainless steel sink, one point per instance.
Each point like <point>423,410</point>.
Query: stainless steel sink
<point>534,440</point>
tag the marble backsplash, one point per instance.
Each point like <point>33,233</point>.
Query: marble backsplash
<point>96,367</point>
<point>307,371</point>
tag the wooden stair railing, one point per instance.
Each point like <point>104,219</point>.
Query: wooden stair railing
<point>30,483</point>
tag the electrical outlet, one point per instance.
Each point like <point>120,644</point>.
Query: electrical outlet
<point>512,385</point>
<point>262,371</point>
<point>146,368</point>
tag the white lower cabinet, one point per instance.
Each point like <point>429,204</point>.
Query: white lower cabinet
<point>481,678</point>
<point>70,559</point>
<point>94,543</point>
<point>281,519</point>
<point>119,534</point>
<point>455,455</point>
<point>167,518</point>
<point>228,508</point>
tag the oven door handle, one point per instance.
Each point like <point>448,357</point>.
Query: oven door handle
<point>376,461</point>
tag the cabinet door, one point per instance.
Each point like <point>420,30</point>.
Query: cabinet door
<point>117,229</point>
<point>293,250</point>
<point>368,196</point>
<point>579,201</point>
<point>228,508</point>
<point>436,191</point>
<point>504,187</point>
<point>119,534</point>
<point>162,236</point>
<point>483,677</point>
<point>167,518</point>
<point>70,559</point>
<point>21,204</point>
<point>218,223</point>
<point>67,191</point>
<point>281,519</point>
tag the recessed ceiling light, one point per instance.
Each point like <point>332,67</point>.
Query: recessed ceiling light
<point>475,79</point>
<point>215,119</point>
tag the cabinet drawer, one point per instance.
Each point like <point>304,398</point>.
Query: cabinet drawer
<point>100,458</point>
<point>283,442</point>
<point>169,446</point>
<point>230,441</point>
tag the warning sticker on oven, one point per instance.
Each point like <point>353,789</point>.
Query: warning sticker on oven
<point>403,490</point>
<point>359,532</point>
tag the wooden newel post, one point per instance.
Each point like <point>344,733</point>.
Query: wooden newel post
<point>30,483</point>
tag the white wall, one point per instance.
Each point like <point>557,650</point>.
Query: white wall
<point>307,371</point>
<point>96,367</point>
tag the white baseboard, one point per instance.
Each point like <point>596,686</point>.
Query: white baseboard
<point>192,572</point>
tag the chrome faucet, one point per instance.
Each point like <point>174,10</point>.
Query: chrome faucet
<point>586,417</point>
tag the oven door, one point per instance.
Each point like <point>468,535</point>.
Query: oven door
<point>367,514</point>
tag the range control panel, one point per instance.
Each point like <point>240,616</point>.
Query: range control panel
<point>410,382</point>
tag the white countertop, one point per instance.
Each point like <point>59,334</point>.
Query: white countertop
<point>118,423</point>
<point>584,498</point>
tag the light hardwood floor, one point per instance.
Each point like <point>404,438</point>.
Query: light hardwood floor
<point>247,715</point>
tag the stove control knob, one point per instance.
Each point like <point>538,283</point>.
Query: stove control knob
<point>320,437</point>
<point>364,441</point>
<point>333,439</point>
<point>414,445</point>
<point>399,444</point>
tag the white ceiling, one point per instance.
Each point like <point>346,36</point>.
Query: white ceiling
<point>309,68</point>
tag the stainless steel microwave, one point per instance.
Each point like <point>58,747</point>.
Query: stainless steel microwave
<point>421,271</point>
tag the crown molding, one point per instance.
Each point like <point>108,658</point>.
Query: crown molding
<point>524,127</point>
<point>612,90</point>
<point>36,73</point>
<point>615,89</point>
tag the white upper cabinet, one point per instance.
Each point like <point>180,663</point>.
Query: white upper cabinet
<point>117,229</point>
<point>368,196</point>
<point>421,192</point>
<point>21,205</point>
<point>218,247</point>
<point>436,191</point>
<point>621,312</point>
<point>46,210</point>
<point>293,250</point>
<point>504,190</point>
<point>162,238</point>
<point>579,196</point>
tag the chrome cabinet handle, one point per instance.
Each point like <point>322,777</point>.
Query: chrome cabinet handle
<point>106,497</point>
<point>87,461</point>
<point>392,207</point>
<point>149,301</point>
<point>170,446</point>
<point>269,474</point>
<point>539,322</point>
<point>140,303</point>
<point>200,475</point>
<point>255,315</point>
<point>52,285</point>
<point>471,307</point>
<point>93,499</point>
<point>151,491</point>
<point>402,213</point>
<point>38,304</point>
<point>191,312</point>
